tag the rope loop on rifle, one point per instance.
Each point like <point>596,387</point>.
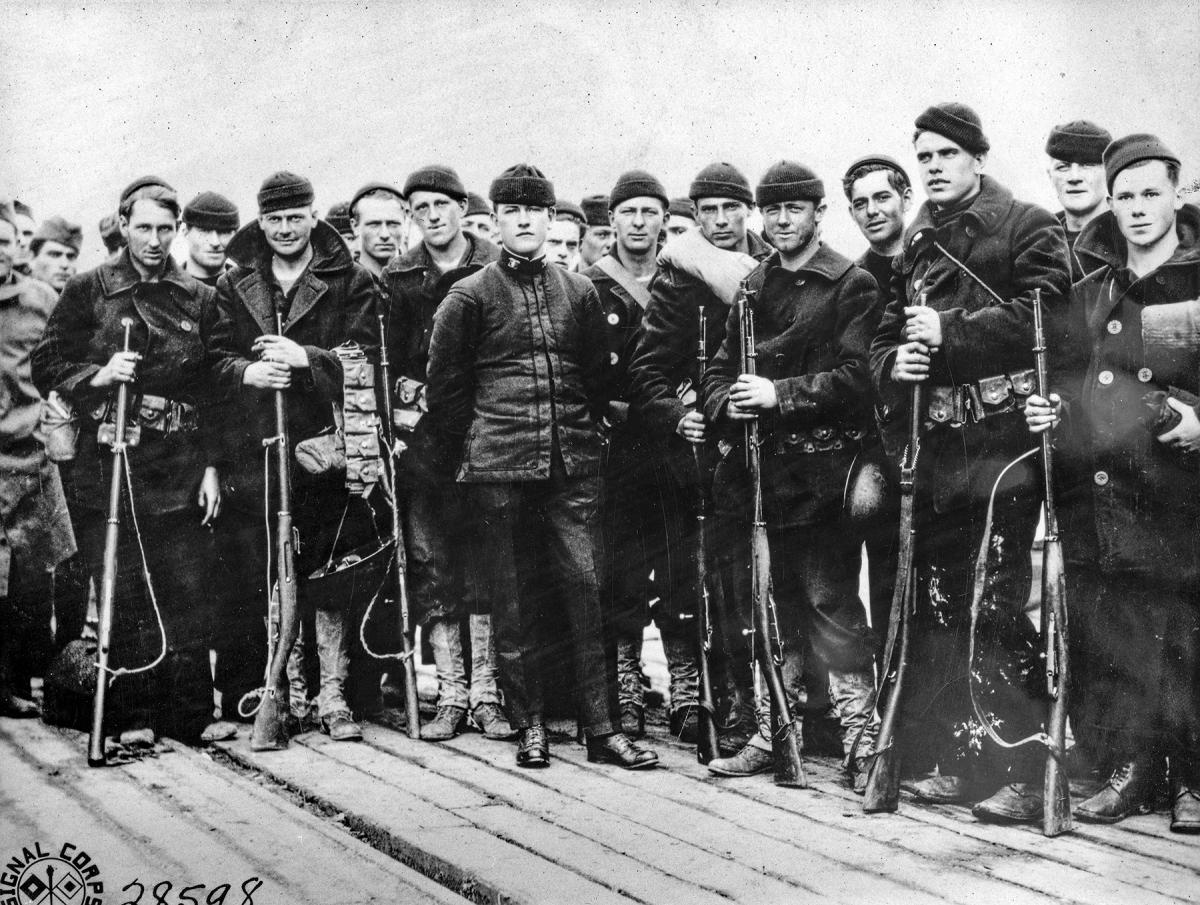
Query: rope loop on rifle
<point>981,569</point>
<point>387,481</point>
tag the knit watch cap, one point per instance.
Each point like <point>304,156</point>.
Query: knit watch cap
<point>284,190</point>
<point>595,210</point>
<point>881,160</point>
<point>477,204</point>
<point>338,216</point>
<point>721,180</point>
<point>789,181</point>
<point>957,122</point>
<point>569,210</point>
<point>58,229</point>
<point>637,184</point>
<point>682,207</point>
<point>368,189</point>
<point>1131,149</point>
<point>208,210</point>
<point>142,183</point>
<point>435,178</point>
<point>1079,141</point>
<point>522,183</point>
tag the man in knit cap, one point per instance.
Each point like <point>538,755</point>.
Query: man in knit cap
<point>972,354</point>
<point>815,314</point>
<point>518,380</point>
<point>338,216</point>
<point>682,217</point>
<point>698,276</point>
<point>1129,491</point>
<point>597,238</point>
<point>1077,173</point>
<point>880,196</point>
<point>54,249</point>
<point>479,219</point>
<point>562,243</point>
<point>288,262</point>
<point>379,220</point>
<point>641,516</point>
<point>209,222</point>
<point>437,521</point>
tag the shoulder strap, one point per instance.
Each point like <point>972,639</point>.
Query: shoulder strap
<point>613,268</point>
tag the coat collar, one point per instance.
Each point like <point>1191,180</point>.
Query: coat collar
<point>825,263</point>
<point>249,249</point>
<point>118,275</point>
<point>479,252</point>
<point>1102,245</point>
<point>983,217</point>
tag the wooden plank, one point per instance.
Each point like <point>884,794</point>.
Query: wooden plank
<point>438,842</point>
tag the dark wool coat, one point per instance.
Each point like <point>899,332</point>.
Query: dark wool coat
<point>173,324</point>
<point>516,365</point>
<point>812,330</point>
<point>665,354</point>
<point>1129,504</point>
<point>333,302</point>
<point>1014,248</point>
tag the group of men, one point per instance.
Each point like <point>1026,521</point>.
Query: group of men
<point>573,392</point>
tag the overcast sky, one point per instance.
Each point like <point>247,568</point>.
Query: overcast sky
<point>218,95</point>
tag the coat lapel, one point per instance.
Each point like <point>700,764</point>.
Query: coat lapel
<point>256,293</point>
<point>308,293</point>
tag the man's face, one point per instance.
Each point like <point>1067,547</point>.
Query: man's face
<point>523,227</point>
<point>481,225</point>
<point>1079,186</point>
<point>1144,202</point>
<point>878,209</point>
<point>379,225</point>
<point>207,246</point>
<point>54,263</point>
<point>25,230</point>
<point>637,224</point>
<point>791,225</point>
<point>949,171</point>
<point>288,231</point>
<point>597,240</point>
<point>438,216</point>
<point>722,221</point>
<point>8,249</point>
<point>562,242</point>
<point>678,225</point>
<point>148,233</point>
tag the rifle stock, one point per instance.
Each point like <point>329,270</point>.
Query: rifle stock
<point>707,743</point>
<point>1056,814</point>
<point>108,579</point>
<point>412,715</point>
<point>269,732</point>
<point>785,746</point>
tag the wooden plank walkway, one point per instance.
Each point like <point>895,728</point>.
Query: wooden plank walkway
<point>407,821</point>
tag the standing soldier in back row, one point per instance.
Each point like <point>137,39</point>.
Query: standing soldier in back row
<point>973,355</point>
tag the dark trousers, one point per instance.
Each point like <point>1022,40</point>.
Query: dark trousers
<point>175,698</point>
<point>938,723</point>
<point>26,645</point>
<point>561,514</point>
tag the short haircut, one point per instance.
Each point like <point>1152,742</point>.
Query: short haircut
<point>159,194</point>
<point>374,193</point>
<point>896,179</point>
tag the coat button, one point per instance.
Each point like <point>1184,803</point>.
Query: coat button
<point>614,318</point>
<point>1145,375</point>
<point>1115,327</point>
<point>1105,377</point>
<point>1101,478</point>
<point>613,358</point>
<point>1160,279</point>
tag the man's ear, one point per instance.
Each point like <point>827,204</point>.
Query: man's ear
<point>819,211</point>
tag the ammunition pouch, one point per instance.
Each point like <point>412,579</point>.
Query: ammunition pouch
<point>360,420</point>
<point>819,439</point>
<point>146,412</point>
<point>57,428</point>
<point>409,404</point>
<point>985,398</point>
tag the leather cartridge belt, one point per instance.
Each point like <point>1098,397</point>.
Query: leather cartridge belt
<point>156,413</point>
<point>985,398</point>
<point>819,439</point>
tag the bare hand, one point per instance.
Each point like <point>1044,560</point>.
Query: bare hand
<point>924,326</point>
<point>267,375</point>
<point>209,497</point>
<point>752,392</point>
<point>1042,414</point>
<point>1184,436</point>
<point>121,368</point>
<point>912,363</point>
<point>691,427</point>
<point>281,349</point>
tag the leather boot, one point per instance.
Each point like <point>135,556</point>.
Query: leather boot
<point>1016,802</point>
<point>618,749</point>
<point>1129,790</point>
<point>1185,797</point>
<point>937,788</point>
<point>533,747</point>
<point>749,761</point>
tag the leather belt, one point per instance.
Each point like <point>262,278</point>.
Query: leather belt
<point>985,398</point>
<point>156,413</point>
<point>819,439</point>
